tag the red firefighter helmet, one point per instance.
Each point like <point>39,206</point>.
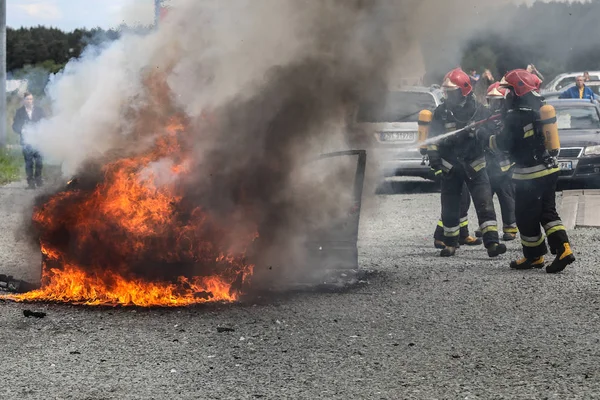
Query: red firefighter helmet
<point>458,79</point>
<point>520,81</point>
<point>537,80</point>
<point>495,91</point>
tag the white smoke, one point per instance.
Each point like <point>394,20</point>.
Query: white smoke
<point>213,52</point>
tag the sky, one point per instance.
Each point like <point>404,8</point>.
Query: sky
<point>71,14</point>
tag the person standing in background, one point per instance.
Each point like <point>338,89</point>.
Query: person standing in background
<point>482,85</point>
<point>26,115</point>
<point>474,76</point>
<point>579,91</point>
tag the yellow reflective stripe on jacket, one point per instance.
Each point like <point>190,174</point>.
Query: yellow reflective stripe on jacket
<point>478,164</point>
<point>528,129</point>
<point>440,223</point>
<point>539,171</point>
<point>492,143</point>
<point>506,167</point>
<point>447,165</point>
<point>505,164</point>
<point>432,147</point>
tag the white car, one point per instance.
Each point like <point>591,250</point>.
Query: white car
<point>390,127</point>
<point>560,83</point>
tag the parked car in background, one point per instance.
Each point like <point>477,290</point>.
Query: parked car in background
<point>560,83</point>
<point>579,132</point>
<point>390,124</point>
<point>594,85</point>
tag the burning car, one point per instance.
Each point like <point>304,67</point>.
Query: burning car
<point>122,240</point>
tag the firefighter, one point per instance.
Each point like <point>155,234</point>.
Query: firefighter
<point>530,136</point>
<point>499,167</point>
<point>464,237</point>
<point>462,161</point>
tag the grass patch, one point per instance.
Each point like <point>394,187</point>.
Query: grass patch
<point>11,166</point>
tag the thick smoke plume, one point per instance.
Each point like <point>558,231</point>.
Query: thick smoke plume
<point>260,87</point>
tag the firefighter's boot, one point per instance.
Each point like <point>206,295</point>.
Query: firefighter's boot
<point>470,241</point>
<point>508,236</point>
<point>495,249</point>
<point>438,244</point>
<point>528,263</point>
<point>448,251</point>
<point>563,258</point>
<point>478,233</point>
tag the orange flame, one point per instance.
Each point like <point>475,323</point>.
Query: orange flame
<point>97,244</point>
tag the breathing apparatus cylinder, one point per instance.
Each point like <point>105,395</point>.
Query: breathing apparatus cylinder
<point>550,129</point>
<point>425,117</point>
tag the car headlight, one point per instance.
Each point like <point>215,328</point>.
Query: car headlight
<point>592,151</point>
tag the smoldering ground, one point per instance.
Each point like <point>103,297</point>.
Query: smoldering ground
<point>261,87</point>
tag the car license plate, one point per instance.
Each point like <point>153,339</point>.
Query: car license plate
<point>397,136</point>
<point>565,165</point>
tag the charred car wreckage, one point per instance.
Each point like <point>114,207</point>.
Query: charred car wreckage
<point>331,254</point>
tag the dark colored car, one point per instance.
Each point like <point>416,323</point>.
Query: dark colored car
<point>579,131</point>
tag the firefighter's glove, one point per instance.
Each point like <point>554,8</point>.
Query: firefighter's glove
<point>435,161</point>
<point>469,133</point>
<point>483,137</point>
<point>551,162</point>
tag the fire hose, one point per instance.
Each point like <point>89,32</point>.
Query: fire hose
<point>475,124</point>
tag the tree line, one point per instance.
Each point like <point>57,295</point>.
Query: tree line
<point>38,45</point>
<point>555,36</point>
<point>36,52</point>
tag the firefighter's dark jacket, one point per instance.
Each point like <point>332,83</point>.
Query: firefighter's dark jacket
<point>462,149</point>
<point>522,136</point>
<point>498,162</point>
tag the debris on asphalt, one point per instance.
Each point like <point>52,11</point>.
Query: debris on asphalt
<point>222,329</point>
<point>12,285</point>
<point>36,314</point>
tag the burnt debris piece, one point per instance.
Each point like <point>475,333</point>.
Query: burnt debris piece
<point>36,314</point>
<point>12,285</point>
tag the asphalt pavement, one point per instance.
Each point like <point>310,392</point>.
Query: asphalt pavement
<point>420,327</point>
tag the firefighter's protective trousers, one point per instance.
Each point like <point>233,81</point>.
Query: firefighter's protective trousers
<point>465,203</point>
<point>535,203</point>
<point>479,186</point>
<point>503,187</point>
